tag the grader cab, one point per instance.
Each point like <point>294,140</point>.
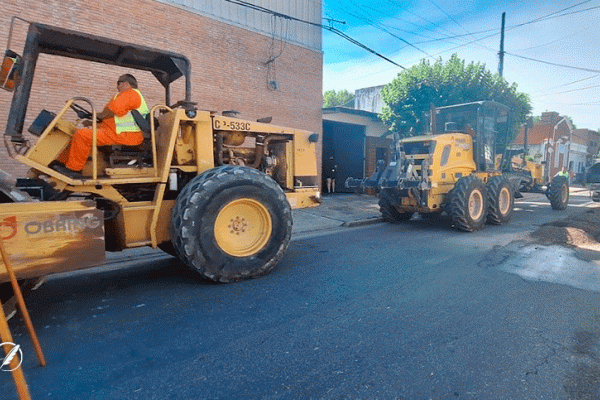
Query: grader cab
<point>451,170</point>
<point>212,189</point>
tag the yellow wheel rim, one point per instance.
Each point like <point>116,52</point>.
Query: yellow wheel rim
<point>504,201</point>
<point>243,227</point>
<point>475,205</point>
<point>564,193</point>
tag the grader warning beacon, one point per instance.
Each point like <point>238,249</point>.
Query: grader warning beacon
<point>453,170</point>
<point>214,190</point>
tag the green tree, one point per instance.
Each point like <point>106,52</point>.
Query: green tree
<point>537,119</point>
<point>344,98</point>
<point>408,98</point>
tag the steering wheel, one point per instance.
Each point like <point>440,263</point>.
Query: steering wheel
<point>82,112</point>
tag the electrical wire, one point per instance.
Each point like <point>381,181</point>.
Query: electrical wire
<point>422,18</point>
<point>450,17</point>
<point>540,19</point>
<point>328,28</point>
<point>569,83</point>
<point>551,42</point>
<point>555,14</point>
<point>569,91</point>
<point>383,29</point>
<point>553,64</point>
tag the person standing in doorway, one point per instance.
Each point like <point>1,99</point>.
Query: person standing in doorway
<point>330,175</point>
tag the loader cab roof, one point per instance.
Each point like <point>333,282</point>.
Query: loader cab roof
<point>165,66</point>
<point>45,39</point>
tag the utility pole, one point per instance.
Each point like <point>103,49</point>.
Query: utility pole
<point>501,52</point>
<point>528,125</point>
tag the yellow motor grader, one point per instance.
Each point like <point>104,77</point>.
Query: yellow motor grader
<point>214,190</point>
<point>453,170</point>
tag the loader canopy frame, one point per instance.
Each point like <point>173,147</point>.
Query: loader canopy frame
<point>44,39</point>
<point>482,119</point>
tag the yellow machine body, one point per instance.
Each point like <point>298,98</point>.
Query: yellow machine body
<point>179,143</point>
<point>41,240</point>
<point>238,178</point>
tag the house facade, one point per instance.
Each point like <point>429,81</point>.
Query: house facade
<point>352,144</point>
<point>586,143</point>
<point>242,59</point>
<point>369,99</point>
<point>556,144</point>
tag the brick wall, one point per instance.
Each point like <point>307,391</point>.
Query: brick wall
<point>228,63</point>
<point>371,145</point>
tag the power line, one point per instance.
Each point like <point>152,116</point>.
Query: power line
<point>412,23</point>
<point>457,23</point>
<point>554,64</point>
<point>540,19</point>
<point>569,91</point>
<point>381,28</point>
<point>571,83</point>
<point>399,19</point>
<point>555,14</point>
<point>351,40</point>
<point>551,42</point>
<point>331,29</point>
<point>548,16</point>
<point>449,16</point>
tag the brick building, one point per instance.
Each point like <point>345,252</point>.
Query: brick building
<point>242,59</point>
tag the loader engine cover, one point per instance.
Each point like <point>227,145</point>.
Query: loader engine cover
<point>45,238</point>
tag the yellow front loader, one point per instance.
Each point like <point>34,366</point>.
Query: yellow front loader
<point>214,190</point>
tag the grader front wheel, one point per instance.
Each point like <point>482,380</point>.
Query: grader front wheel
<point>500,200</point>
<point>231,223</point>
<point>468,204</point>
<point>388,211</point>
<point>558,193</point>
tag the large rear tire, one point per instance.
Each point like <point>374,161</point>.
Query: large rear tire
<point>388,211</point>
<point>500,200</point>
<point>558,193</point>
<point>231,223</point>
<point>468,204</point>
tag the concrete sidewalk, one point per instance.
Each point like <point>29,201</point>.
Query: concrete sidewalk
<point>337,210</point>
<point>349,209</point>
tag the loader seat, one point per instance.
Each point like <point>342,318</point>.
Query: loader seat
<point>120,156</point>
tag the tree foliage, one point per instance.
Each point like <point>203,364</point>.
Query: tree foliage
<point>408,98</point>
<point>344,98</point>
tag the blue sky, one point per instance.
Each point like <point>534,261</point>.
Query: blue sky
<point>560,32</point>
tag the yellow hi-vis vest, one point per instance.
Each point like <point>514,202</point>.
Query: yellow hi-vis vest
<point>126,123</point>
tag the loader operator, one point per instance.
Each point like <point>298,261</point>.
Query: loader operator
<point>117,126</point>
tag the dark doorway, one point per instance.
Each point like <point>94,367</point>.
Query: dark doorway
<point>343,153</point>
<point>381,154</point>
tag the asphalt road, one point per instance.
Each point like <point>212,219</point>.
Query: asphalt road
<point>408,311</point>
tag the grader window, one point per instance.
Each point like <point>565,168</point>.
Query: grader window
<point>445,155</point>
<point>413,148</point>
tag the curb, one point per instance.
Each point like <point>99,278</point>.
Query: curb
<point>362,222</point>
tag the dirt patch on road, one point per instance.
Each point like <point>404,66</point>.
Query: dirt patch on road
<point>580,230</point>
